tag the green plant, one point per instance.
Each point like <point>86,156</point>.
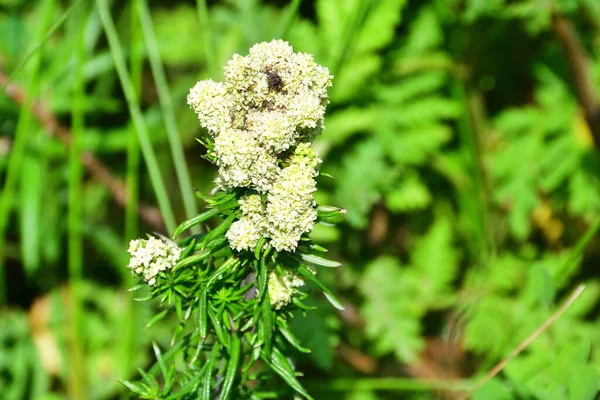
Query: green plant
<point>463,135</point>
<point>241,279</point>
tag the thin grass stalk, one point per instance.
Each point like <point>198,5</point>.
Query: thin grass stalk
<point>23,130</point>
<point>209,50</point>
<point>132,187</point>
<point>40,43</point>
<point>351,30</point>
<point>470,129</point>
<point>395,384</point>
<point>138,120</point>
<point>289,17</point>
<point>77,380</point>
<point>166,105</point>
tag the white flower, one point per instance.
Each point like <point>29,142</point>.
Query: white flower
<point>281,288</point>
<point>305,155</point>
<point>290,210</point>
<point>208,99</point>
<point>243,234</point>
<point>271,101</point>
<point>272,129</point>
<point>243,162</point>
<point>151,256</point>
<point>252,207</point>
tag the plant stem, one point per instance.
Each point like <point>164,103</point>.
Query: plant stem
<point>24,129</point>
<point>136,114</point>
<point>150,214</point>
<point>523,345</point>
<point>471,129</point>
<point>40,43</point>
<point>351,30</point>
<point>580,66</point>
<point>77,385</point>
<point>132,187</point>
<point>209,51</point>
<point>386,384</point>
<point>288,19</point>
<point>166,104</point>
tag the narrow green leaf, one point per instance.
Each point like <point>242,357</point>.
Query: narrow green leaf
<point>135,388</point>
<point>259,247</point>
<point>134,108</point>
<point>198,219</point>
<point>219,230</point>
<point>268,322</point>
<point>278,363</point>
<point>203,314</point>
<point>166,104</point>
<point>262,277</point>
<point>293,340</point>
<point>305,272</point>
<point>235,350</point>
<point>219,331</point>
<point>189,249</point>
<point>207,36</point>
<point>40,44</point>
<point>316,260</point>
<point>191,260</point>
<point>289,16</point>
<point>158,317</point>
<point>159,359</point>
<point>206,382</point>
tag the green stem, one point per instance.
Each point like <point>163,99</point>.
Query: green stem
<point>209,51</point>
<point>136,114</point>
<point>132,190</point>
<point>351,30</point>
<point>24,129</point>
<point>288,19</point>
<point>40,43</point>
<point>582,243</point>
<point>77,379</point>
<point>471,128</point>
<point>166,104</point>
<point>386,384</point>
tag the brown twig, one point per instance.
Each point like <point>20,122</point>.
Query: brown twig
<point>523,345</point>
<point>358,360</point>
<point>580,69</point>
<point>151,215</point>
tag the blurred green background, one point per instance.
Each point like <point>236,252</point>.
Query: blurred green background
<point>464,136</point>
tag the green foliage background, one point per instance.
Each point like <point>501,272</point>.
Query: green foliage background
<point>462,149</point>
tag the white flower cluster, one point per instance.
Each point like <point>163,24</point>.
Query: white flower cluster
<point>286,212</point>
<point>261,120</point>
<point>281,288</point>
<point>151,256</point>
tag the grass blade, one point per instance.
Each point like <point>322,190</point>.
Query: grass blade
<point>209,51</point>
<point>136,114</point>
<point>77,381</point>
<point>41,43</point>
<point>289,16</point>
<point>13,170</point>
<point>128,343</point>
<point>166,104</point>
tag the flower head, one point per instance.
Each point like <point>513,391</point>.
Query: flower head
<point>261,119</point>
<point>281,288</point>
<point>208,99</point>
<point>151,256</point>
<point>243,234</point>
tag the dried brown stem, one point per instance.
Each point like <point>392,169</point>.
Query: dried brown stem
<point>580,69</point>
<point>525,343</point>
<point>151,215</point>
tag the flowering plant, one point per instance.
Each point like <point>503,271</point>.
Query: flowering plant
<point>233,288</point>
